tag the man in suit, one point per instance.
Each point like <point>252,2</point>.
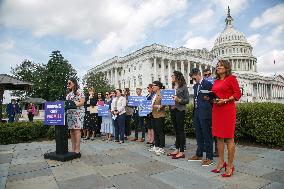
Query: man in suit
<point>202,118</point>
<point>208,77</point>
<point>12,110</point>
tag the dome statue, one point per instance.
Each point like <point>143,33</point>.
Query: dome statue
<point>232,45</point>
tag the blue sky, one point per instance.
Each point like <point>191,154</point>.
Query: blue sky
<point>88,32</point>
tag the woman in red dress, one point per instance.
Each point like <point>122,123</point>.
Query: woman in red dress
<point>227,91</point>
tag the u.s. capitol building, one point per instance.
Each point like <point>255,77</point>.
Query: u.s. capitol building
<point>157,62</point>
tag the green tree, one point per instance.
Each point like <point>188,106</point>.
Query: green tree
<point>98,81</point>
<point>32,72</point>
<point>57,72</point>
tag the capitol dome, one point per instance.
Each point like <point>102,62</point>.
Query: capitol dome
<point>232,45</point>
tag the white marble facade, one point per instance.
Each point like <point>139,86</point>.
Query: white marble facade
<point>157,62</point>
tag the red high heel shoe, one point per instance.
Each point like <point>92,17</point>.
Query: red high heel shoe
<point>218,171</point>
<point>229,175</point>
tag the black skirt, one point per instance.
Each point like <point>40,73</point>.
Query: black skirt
<point>90,122</point>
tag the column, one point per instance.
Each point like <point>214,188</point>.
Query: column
<point>188,72</point>
<point>200,69</point>
<point>115,78</point>
<point>195,66</point>
<point>162,71</point>
<point>111,76</point>
<point>155,70</point>
<point>176,66</point>
<point>108,76</point>
<point>169,73</point>
<point>272,92</point>
<point>182,67</point>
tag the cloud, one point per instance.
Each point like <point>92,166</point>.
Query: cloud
<point>235,6</point>
<point>199,42</point>
<point>276,37</point>
<point>254,39</point>
<point>265,62</point>
<point>149,14</point>
<point>202,18</point>
<point>273,15</point>
<point>6,44</point>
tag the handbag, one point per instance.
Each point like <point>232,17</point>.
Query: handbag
<point>93,109</point>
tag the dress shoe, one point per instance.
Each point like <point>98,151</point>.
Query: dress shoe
<point>219,170</point>
<point>172,154</point>
<point>178,157</point>
<point>229,175</point>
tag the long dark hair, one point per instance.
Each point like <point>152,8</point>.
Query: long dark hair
<point>76,85</point>
<point>180,79</point>
<point>227,66</point>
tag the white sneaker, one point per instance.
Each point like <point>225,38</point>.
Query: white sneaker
<point>153,149</point>
<point>160,151</point>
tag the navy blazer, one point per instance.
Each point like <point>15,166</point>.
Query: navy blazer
<point>204,107</point>
<point>10,109</point>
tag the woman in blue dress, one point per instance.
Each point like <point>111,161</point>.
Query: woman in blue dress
<point>107,126</point>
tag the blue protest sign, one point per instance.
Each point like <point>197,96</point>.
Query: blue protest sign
<point>145,108</point>
<point>54,113</point>
<point>167,96</point>
<point>135,100</point>
<point>103,111</point>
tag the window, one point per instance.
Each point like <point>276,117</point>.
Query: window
<point>140,82</point>
<point>129,84</point>
<point>134,82</point>
<point>159,65</point>
<point>152,79</point>
<point>134,67</point>
<point>129,69</point>
<point>152,65</point>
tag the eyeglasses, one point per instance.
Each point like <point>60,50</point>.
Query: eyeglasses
<point>205,75</point>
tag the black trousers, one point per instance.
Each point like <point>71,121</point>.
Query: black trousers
<point>178,124</point>
<point>139,125</point>
<point>128,125</point>
<point>31,117</point>
<point>204,137</point>
<point>119,127</point>
<point>159,132</point>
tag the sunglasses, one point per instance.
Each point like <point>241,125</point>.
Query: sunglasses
<point>205,75</point>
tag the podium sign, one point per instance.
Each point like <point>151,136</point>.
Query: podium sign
<point>54,113</point>
<point>167,96</point>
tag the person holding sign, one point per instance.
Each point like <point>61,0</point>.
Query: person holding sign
<point>159,115</point>
<point>178,113</point>
<point>118,110</point>
<point>202,118</point>
<point>75,117</point>
<point>149,118</point>
<point>139,120</point>
<point>107,122</point>
<point>91,115</point>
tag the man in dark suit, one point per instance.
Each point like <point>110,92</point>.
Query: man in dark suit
<point>12,110</point>
<point>202,118</point>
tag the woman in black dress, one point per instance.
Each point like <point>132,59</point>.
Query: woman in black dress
<point>91,116</point>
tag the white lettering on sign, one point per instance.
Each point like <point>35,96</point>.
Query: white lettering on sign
<point>53,111</point>
<point>54,106</point>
